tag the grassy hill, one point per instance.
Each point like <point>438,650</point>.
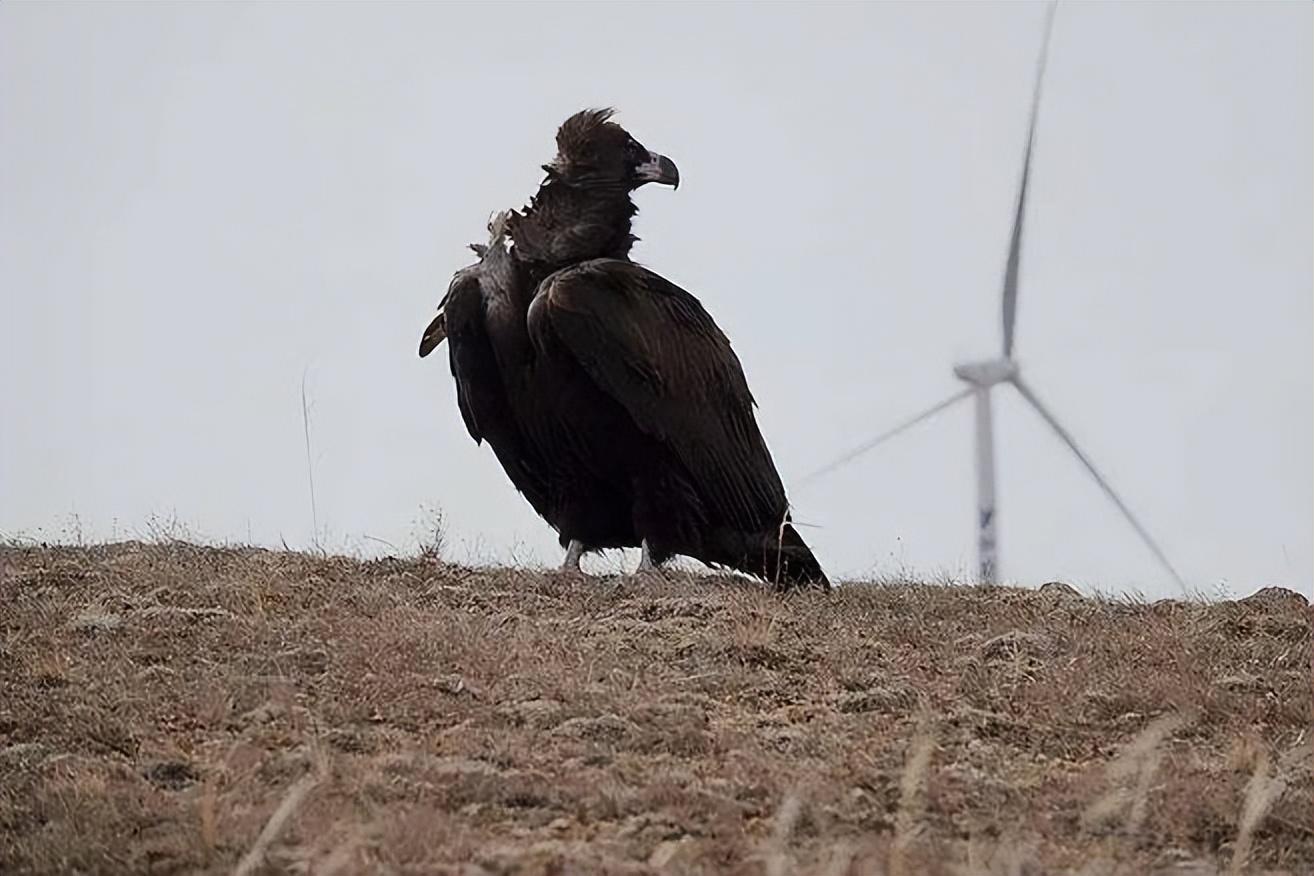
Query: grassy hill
<point>169,708</point>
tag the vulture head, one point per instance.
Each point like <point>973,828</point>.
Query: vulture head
<point>592,150</point>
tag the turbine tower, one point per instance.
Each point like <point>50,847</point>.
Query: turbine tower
<point>983,376</point>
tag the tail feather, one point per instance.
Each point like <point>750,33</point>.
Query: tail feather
<point>796,566</point>
<point>779,556</point>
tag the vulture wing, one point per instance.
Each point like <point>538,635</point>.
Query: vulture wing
<point>481,392</point>
<point>652,347</point>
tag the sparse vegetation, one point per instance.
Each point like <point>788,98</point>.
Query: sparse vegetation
<point>169,708</point>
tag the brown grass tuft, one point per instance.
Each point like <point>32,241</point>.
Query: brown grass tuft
<point>171,708</point>
<point>1131,775</point>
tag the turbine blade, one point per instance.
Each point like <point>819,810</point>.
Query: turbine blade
<point>885,436</point>
<point>1015,243</point>
<point>1067,438</point>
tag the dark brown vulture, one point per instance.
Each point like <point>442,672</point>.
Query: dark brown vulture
<point>611,398</point>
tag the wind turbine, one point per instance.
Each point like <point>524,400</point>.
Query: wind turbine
<point>983,376</point>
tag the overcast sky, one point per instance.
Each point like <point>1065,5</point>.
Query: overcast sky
<point>201,203</point>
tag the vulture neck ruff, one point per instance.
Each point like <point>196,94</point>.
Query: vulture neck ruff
<point>570,222</point>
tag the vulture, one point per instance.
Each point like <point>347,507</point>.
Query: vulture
<point>611,398</point>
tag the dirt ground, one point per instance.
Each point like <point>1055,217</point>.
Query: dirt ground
<point>169,708</point>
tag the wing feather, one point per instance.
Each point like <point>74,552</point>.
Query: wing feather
<point>652,347</point>
<point>481,392</point>
<point>471,356</point>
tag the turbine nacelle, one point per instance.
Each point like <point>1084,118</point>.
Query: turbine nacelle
<point>986,373</point>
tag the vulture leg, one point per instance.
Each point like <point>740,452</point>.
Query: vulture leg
<point>651,559</point>
<point>645,559</point>
<point>574,551</point>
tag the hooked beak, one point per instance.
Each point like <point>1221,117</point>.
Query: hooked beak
<point>658,169</point>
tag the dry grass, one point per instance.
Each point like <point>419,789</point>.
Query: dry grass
<point>169,708</point>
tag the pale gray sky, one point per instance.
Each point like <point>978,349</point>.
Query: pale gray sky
<point>201,202</point>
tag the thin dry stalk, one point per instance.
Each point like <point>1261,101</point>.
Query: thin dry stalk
<point>207,814</point>
<point>1141,793</point>
<point>777,859</point>
<point>341,857</point>
<point>296,795</point>
<point>1132,774</point>
<point>912,802</point>
<point>1260,794</point>
<point>310,465</point>
<point>841,860</point>
<point>1262,791</point>
<point>780,547</point>
<point>184,611</point>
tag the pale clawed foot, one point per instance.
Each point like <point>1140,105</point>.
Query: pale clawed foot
<point>574,551</point>
<point>646,566</point>
<point>645,558</point>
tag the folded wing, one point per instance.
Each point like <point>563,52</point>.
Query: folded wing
<point>481,391</point>
<point>652,347</point>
